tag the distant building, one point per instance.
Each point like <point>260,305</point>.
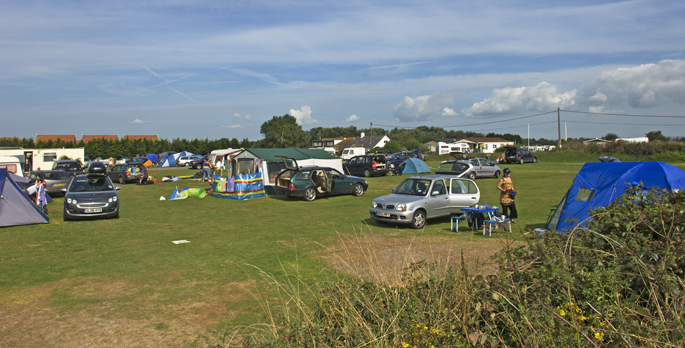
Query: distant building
<point>596,141</point>
<point>142,137</point>
<point>487,145</point>
<point>328,144</point>
<point>634,140</point>
<point>434,145</point>
<point>46,138</point>
<point>87,138</point>
<point>369,142</point>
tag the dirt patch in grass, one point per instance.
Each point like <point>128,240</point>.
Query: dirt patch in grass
<point>383,258</point>
<point>29,319</point>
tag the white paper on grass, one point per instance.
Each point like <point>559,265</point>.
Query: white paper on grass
<point>182,241</point>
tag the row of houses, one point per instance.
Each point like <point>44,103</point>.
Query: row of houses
<point>87,137</point>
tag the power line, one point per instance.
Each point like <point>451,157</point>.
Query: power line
<point>630,124</point>
<point>476,124</point>
<point>624,115</point>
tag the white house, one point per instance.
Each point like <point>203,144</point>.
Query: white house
<point>369,142</point>
<point>32,159</point>
<point>634,140</point>
<point>487,145</point>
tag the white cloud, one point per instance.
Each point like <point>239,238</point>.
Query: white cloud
<point>303,116</point>
<point>543,97</point>
<point>421,108</point>
<point>641,86</point>
<point>138,121</point>
<point>246,117</point>
<point>447,112</point>
<point>232,126</point>
<point>352,118</point>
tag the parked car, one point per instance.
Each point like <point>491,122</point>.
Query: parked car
<point>70,166</point>
<point>184,161</point>
<point>91,195</point>
<point>197,163</point>
<point>456,168</point>
<point>479,167</point>
<point>366,165</point>
<point>125,173</point>
<point>55,180</point>
<point>419,198</point>
<point>398,157</point>
<point>516,155</point>
<point>311,182</point>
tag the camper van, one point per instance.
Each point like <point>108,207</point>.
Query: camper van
<point>352,151</point>
<point>12,165</point>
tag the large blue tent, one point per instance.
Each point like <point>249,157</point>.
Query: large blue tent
<point>414,166</point>
<point>599,184</point>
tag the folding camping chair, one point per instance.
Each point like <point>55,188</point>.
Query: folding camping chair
<point>494,219</point>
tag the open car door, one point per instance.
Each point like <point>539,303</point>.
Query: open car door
<point>290,163</point>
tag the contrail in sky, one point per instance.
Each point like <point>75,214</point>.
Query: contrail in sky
<point>166,83</point>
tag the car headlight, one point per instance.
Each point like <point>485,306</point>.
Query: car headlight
<point>69,200</point>
<point>401,207</point>
<point>115,198</point>
<point>109,200</point>
<point>374,204</point>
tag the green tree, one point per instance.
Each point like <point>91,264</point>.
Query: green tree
<point>392,146</point>
<point>656,136</point>
<point>283,131</point>
<point>611,136</point>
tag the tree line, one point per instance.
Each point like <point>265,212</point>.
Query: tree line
<point>282,132</point>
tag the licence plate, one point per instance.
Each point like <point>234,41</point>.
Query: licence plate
<point>382,214</point>
<point>62,184</point>
<point>93,210</point>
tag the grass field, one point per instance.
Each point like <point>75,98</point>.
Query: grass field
<point>121,282</point>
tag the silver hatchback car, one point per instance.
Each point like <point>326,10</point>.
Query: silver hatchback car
<point>419,198</point>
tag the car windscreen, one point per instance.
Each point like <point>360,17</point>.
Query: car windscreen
<point>417,187</point>
<point>452,168</point>
<point>56,175</point>
<point>68,166</point>
<point>91,183</point>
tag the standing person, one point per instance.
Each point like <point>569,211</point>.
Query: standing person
<point>206,165</point>
<point>143,176</point>
<point>506,187</point>
<point>110,163</point>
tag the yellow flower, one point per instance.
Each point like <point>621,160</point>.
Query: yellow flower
<point>434,331</point>
<point>405,344</point>
<point>599,335</point>
<point>418,326</point>
<point>425,327</point>
<point>562,312</point>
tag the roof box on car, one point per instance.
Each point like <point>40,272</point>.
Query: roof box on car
<point>97,168</point>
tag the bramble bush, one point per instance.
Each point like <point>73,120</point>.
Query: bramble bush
<point>617,282</point>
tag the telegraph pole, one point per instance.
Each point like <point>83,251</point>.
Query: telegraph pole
<point>559,125</point>
<point>371,129</point>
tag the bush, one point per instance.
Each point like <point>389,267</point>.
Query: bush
<point>618,282</point>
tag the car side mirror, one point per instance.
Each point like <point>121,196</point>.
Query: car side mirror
<point>117,188</point>
<point>393,189</point>
<point>63,190</point>
<point>435,193</point>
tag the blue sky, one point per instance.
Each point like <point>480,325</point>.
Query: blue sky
<point>213,69</point>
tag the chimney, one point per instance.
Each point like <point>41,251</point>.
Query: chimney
<point>361,136</point>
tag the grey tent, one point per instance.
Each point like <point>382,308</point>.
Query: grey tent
<point>15,207</point>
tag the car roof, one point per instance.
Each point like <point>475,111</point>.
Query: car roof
<point>313,168</point>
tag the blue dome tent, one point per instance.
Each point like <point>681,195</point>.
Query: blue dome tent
<point>599,184</point>
<point>414,166</point>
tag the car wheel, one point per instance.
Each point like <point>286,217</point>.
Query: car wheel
<point>367,173</point>
<point>520,160</point>
<point>309,194</point>
<point>418,221</point>
<point>496,174</point>
<point>358,190</point>
<point>535,160</point>
<point>121,180</point>
<point>472,176</point>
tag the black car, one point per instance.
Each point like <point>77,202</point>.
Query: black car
<point>397,158</point>
<point>197,163</point>
<point>70,166</point>
<point>516,155</point>
<point>91,195</point>
<point>366,165</point>
<point>125,173</point>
